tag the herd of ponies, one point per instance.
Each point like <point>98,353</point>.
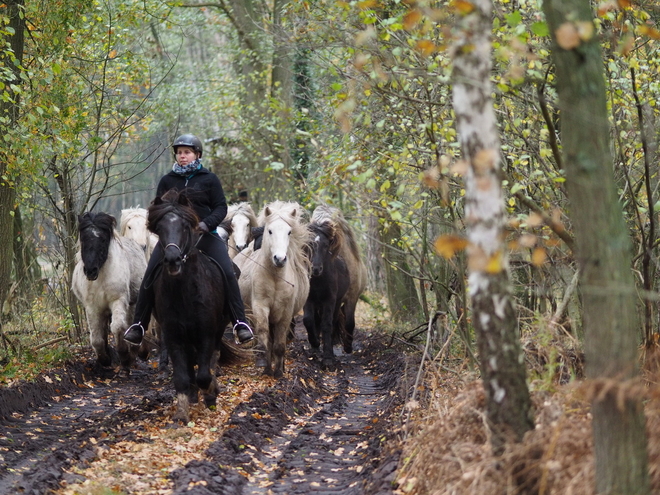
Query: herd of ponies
<point>288,262</point>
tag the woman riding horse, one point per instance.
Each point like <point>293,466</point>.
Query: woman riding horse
<point>205,192</point>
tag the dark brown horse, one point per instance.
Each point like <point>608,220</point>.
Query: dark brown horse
<point>189,303</point>
<point>323,315</point>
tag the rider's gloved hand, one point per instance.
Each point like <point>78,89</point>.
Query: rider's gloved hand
<point>203,227</point>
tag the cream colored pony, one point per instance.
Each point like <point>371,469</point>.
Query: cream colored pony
<point>274,280</point>
<point>356,268</point>
<point>133,224</point>
<point>242,219</point>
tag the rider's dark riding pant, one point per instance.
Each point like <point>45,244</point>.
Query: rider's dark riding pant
<point>213,247</point>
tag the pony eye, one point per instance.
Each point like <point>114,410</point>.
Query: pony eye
<point>270,232</point>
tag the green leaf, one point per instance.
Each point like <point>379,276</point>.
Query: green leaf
<point>517,187</point>
<point>540,28</point>
<point>514,18</point>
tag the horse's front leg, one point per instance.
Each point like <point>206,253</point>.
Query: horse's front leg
<point>118,325</point>
<point>310,325</point>
<point>206,360</point>
<point>263,336</point>
<point>211,390</point>
<point>279,347</point>
<point>326,312</point>
<point>183,375</point>
<point>98,336</point>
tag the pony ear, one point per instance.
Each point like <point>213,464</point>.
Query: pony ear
<point>267,211</point>
<point>183,199</point>
<point>114,221</point>
<point>294,213</point>
<point>157,201</point>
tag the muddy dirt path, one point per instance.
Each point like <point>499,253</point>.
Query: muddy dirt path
<point>312,432</point>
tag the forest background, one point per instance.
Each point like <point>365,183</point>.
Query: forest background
<point>348,103</point>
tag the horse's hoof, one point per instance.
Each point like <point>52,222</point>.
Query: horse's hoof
<point>268,372</point>
<point>210,402</point>
<point>348,349</point>
<point>179,419</point>
<point>278,374</point>
<point>105,361</point>
<point>329,365</point>
<point>260,362</point>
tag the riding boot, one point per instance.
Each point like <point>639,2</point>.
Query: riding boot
<point>145,301</point>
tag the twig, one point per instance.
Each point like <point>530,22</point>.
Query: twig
<point>52,341</point>
<point>567,297</point>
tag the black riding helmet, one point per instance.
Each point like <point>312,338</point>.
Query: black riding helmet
<point>188,140</point>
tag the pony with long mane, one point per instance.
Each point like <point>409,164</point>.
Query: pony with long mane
<point>239,222</point>
<point>357,270</point>
<point>189,295</point>
<point>323,315</point>
<point>106,280</point>
<point>133,224</point>
<point>274,280</point>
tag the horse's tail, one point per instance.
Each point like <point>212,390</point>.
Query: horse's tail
<point>230,354</point>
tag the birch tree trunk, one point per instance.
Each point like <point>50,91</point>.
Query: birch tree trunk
<point>603,249</point>
<point>508,405</point>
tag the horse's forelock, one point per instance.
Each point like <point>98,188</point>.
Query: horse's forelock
<point>170,204</point>
<point>101,221</point>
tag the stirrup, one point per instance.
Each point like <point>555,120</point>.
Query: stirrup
<point>236,339</point>
<point>139,325</point>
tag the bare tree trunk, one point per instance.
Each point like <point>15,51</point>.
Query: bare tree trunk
<point>401,291</point>
<point>508,405</point>
<point>9,111</point>
<point>603,249</point>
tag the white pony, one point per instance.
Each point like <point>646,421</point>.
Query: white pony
<point>106,280</point>
<point>274,280</point>
<point>242,220</point>
<point>133,224</point>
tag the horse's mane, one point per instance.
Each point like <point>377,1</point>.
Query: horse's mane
<point>325,213</point>
<point>128,214</point>
<point>171,201</point>
<point>243,209</point>
<point>293,214</point>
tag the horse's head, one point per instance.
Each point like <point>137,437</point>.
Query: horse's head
<point>95,232</point>
<point>243,219</point>
<point>324,245</point>
<point>241,230</point>
<point>133,224</point>
<point>277,233</point>
<point>173,220</point>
